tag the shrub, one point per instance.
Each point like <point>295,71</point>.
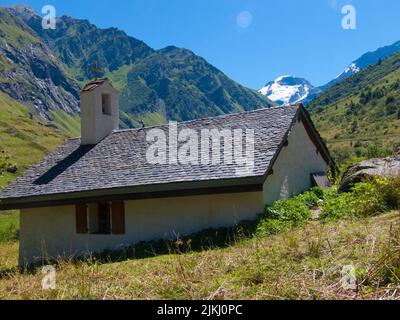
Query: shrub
<point>336,206</point>
<point>319,192</point>
<point>272,226</point>
<point>391,193</point>
<point>312,198</point>
<point>366,199</point>
<point>294,210</point>
<point>284,214</point>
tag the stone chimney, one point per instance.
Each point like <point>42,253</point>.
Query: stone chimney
<point>99,111</point>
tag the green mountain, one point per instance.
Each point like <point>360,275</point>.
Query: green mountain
<point>23,140</point>
<point>80,44</point>
<point>31,74</point>
<point>155,86</point>
<point>367,59</point>
<point>177,84</point>
<point>41,72</point>
<point>360,116</point>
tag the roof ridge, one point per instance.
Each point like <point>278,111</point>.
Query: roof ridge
<point>211,118</point>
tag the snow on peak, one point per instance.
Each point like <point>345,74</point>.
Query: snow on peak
<point>288,90</point>
<point>351,69</point>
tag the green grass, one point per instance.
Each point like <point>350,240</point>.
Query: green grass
<point>71,124</point>
<point>301,263</point>
<point>16,36</point>
<point>22,139</point>
<point>9,226</point>
<point>5,65</point>
<point>119,78</point>
<point>14,31</point>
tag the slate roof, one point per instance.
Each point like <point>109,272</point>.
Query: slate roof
<point>119,160</point>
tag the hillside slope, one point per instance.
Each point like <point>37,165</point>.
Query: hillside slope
<point>79,44</point>
<point>367,59</point>
<point>179,85</point>
<point>23,141</point>
<point>31,74</point>
<point>361,115</point>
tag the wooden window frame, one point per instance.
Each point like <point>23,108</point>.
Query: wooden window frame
<point>116,218</point>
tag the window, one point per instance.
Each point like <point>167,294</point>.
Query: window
<point>100,218</point>
<point>106,103</point>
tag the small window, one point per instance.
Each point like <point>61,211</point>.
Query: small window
<point>101,218</point>
<point>106,103</point>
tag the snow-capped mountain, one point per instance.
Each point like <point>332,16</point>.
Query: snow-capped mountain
<point>364,61</point>
<point>351,69</point>
<point>289,89</point>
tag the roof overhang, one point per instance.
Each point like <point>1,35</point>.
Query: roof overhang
<point>316,138</point>
<point>304,117</point>
<point>170,190</point>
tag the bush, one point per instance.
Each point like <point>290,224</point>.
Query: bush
<point>336,206</point>
<point>391,193</point>
<point>365,199</point>
<point>284,214</point>
<point>294,210</point>
<point>312,198</point>
<point>272,226</point>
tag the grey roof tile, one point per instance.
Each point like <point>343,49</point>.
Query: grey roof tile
<point>119,160</point>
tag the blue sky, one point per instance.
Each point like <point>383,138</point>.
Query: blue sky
<point>252,41</point>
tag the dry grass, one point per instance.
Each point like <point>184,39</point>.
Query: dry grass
<point>304,263</point>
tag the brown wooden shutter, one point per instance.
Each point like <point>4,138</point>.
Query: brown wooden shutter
<point>118,217</point>
<point>81,218</point>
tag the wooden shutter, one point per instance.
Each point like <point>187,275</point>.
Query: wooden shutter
<point>118,217</point>
<point>81,218</point>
